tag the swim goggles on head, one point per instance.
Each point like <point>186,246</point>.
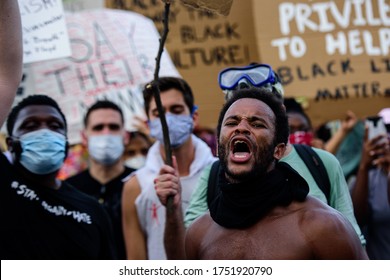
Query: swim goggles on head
<point>257,75</point>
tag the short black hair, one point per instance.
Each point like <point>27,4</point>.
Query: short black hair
<point>103,104</point>
<point>274,102</point>
<point>36,99</point>
<point>167,83</point>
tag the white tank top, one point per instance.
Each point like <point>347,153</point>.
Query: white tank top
<point>151,213</point>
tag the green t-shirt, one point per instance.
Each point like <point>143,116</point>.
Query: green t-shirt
<point>340,198</point>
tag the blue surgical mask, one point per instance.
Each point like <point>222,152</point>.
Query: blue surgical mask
<point>43,151</point>
<point>106,148</point>
<point>180,128</point>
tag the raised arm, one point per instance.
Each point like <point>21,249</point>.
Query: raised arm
<point>373,155</point>
<point>11,54</point>
<point>134,237</point>
<point>347,124</point>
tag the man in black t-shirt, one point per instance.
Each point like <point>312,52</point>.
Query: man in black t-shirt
<point>40,216</point>
<point>105,137</point>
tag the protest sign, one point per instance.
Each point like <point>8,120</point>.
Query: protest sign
<point>113,56</point>
<point>44,30</point>
<point>331,55</point>
<point>221,7</point>
<point>201,44</point>
<point>334,55</point>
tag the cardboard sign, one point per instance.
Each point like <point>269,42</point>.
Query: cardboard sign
<point>333,55</point>
<point>113,57</point>
<point>44,30</point>
<point>221,7</point>
<point>201,44</point>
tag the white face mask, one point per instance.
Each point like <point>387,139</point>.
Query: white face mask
<point>106,149</point>
<point>136,162</point>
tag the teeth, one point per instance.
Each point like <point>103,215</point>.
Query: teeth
<point>240,155</point>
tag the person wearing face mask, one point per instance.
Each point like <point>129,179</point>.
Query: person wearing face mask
<point>105,137</point>
<point>144,217</point>
<point>41,216</point>
<point>301,130</point>
<point>136,150</point>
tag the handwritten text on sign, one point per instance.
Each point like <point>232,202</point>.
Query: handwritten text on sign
<point>44,30</point>
<point>217,41</point>
<point>319,42</point>
<point>329,19</point>
<point>113,56</point>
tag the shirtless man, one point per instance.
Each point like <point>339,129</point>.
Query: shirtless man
<point>262,210</point>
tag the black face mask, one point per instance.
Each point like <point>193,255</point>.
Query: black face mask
<point>243,204</point>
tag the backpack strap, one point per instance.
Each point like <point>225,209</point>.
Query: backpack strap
<point>316,168</point>
<point>212,186</point>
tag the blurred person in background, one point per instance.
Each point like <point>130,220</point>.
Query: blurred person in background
<point>301,130</point>
<point>344,139</point>
<point>136,149</point>
<point>43,217</point>
<point>209,136</point>
<point>346,125</point>
<point>370,191</point>
<point>105,138</point>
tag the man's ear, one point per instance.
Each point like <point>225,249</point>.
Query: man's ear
<point>279,151</point>
<point>84,138</point>
<point>195,118</point>
<point>126,137</point>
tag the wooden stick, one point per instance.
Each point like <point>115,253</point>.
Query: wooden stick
<point>156,93</point>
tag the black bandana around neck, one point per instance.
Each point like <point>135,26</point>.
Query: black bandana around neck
<point>241,205</point>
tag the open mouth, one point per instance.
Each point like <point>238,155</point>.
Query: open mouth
<point>241,150</point>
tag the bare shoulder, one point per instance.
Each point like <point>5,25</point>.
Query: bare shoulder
<point>200,224</point>
<point>317,217</point>
<point>328,232</point>
<point>314,210</point>
<point>131,189</point>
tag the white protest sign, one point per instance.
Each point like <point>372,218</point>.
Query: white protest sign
<point>113,56</point>
<point>44,30</point>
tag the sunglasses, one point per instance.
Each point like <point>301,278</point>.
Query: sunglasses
<point>256,75</point>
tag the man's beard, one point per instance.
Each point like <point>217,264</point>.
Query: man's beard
<point>263,156</point>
